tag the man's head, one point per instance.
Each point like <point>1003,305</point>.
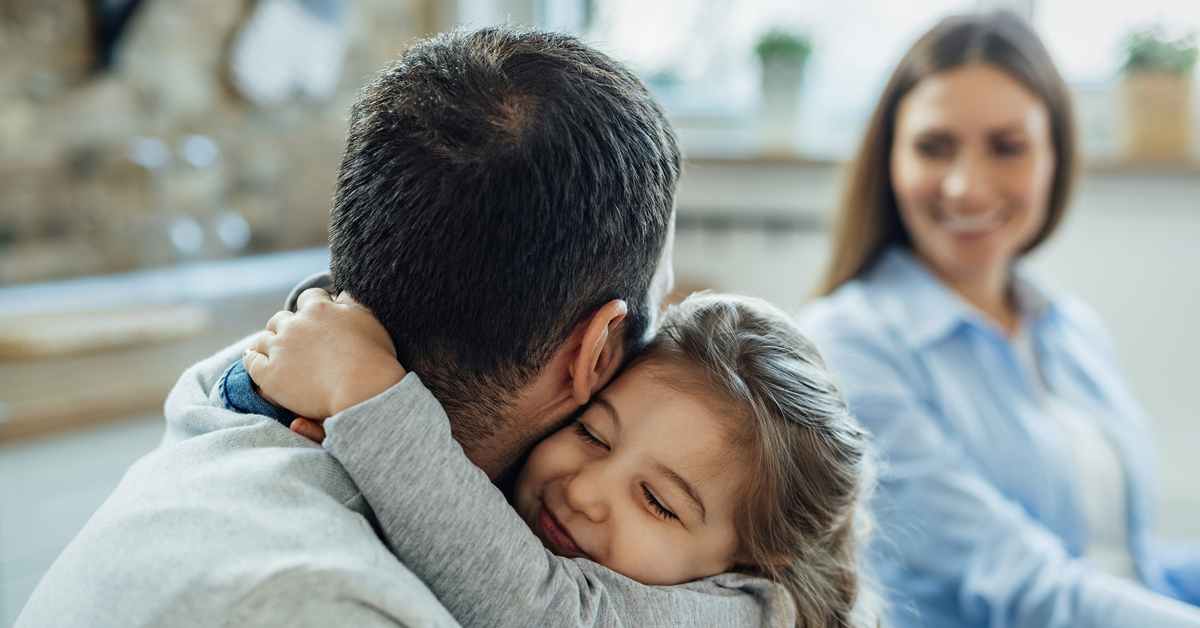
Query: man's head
<point>502,207</point>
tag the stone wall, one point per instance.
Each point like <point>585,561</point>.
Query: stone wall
<point>72,199</point>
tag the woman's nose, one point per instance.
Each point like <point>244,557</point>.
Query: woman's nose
<point>587,492</point>
<point>967,178</point>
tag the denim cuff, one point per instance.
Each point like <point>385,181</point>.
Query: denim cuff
<point>236,390</point>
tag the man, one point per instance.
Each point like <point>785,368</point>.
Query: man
<point>502,206</point>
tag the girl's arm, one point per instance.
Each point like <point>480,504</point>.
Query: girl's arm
<point>454,530</point>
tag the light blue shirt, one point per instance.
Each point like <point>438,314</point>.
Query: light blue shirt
<point>978,506</point>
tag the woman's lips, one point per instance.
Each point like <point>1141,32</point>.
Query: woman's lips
<point>558,537</point>
<point>969,225</point>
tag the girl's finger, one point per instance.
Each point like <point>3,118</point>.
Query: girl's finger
<point>254,362</point>
<point>262,343</point>
<point>309,429</point>
<point>310,297</point>
<point>344,298</point>
<point>277,319</point>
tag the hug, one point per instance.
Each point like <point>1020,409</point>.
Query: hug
<point>484,415</point>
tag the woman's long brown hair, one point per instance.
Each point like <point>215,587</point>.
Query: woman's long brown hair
<point>868,219</point>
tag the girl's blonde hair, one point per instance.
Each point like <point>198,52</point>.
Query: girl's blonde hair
<point>806,462</point>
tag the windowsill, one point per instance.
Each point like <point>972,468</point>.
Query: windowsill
<point>1102,167</point>
<point>42,395</point>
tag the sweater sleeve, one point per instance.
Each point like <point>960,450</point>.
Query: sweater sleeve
<point>952,542</point>
<point>448,524</point>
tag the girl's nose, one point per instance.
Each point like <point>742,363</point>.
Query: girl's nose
<point>587,492</point>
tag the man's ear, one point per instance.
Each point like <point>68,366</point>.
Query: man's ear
<point>600,351</point>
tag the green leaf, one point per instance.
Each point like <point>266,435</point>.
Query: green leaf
<point>1149,50</point>
<point>785,45</point>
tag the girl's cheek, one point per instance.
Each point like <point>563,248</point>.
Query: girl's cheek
<point>538,467</point>
<point>558,455</point>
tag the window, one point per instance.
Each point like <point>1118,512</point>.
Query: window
<point>1086,37</point>
<point>698,55</point>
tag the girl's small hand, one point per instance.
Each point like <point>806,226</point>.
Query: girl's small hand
<point>327,356</point>
<point>313,430</point>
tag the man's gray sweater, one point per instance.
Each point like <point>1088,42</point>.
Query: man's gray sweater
<point>244,524</point>
<point>238,521</point>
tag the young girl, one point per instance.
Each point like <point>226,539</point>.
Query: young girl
<point>724,448</point>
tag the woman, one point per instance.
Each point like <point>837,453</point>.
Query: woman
<point>1017,487</point>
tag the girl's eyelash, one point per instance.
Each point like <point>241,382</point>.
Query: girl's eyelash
<point>656,505</point>
<point>587,436</point>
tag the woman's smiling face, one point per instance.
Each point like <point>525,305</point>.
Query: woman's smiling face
<point>972,166</point>
<point>640,483</point>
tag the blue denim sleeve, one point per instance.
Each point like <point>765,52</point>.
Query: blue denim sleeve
<point>237,393</point>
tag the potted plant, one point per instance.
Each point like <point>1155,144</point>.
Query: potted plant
<point>1157,97</point>
<point>783,56</point>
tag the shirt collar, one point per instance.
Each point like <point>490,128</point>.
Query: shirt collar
<point>1037,296</point>
<point>929,312</point>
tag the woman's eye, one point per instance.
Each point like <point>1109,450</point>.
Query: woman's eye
<point>657,506</point>
<point>587,435</point>
<point>1010,149</point>
<point>933,148</point>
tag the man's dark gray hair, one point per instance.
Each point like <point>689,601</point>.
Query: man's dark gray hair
<point>498,187</point>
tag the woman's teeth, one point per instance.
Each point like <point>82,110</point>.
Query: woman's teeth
<point>972,224</point>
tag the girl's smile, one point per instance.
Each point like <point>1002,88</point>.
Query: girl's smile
<point>555,537</point>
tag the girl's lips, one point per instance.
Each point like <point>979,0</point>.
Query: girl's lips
<point>557,535</point>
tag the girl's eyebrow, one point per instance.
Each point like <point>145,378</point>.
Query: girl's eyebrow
<point>612,412</point>
<point>683,486</point>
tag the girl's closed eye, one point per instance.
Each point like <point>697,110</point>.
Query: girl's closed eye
<point>587,435</point>
<point>657,506</point>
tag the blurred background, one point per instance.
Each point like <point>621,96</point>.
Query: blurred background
<point>166,170</point>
